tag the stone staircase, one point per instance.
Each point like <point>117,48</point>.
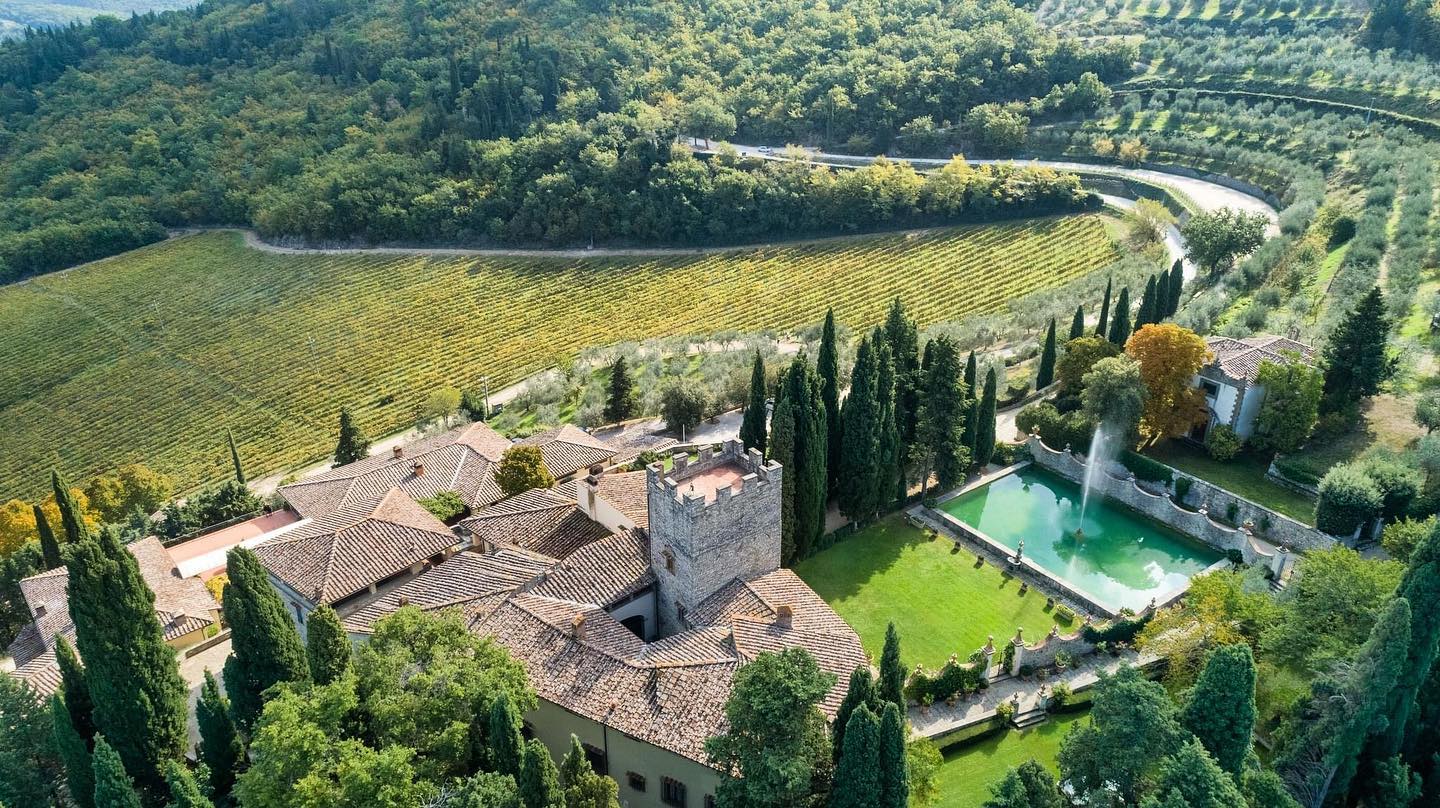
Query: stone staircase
<point>1030,718</point>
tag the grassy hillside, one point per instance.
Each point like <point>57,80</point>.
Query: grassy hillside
<point>152,354</point>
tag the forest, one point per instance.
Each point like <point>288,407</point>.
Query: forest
<point>534,123</point>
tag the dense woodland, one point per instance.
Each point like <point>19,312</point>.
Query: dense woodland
<point>531,122</point>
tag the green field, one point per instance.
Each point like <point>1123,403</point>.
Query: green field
<point>939,600</point>
<point>152,354</point>
<point>964,780</point>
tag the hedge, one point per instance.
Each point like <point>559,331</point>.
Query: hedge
<point>1146,469</point>
<point>953,678</point>
<point>1121,629</point>
<point>1296,471</point>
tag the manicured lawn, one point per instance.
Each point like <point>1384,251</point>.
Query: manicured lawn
<point>1245,475</point>
<point>964,781</point>
<point>941,603</point>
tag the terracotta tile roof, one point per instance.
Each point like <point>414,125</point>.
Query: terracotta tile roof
<point>476,580</point>
<point>1240,359</point>
<point>568,449</point>
<point>461,460</point>
<point>360,544</point>
<point>538,521</point>
<point>182,605</point>
<point>605,572</point>
<point>625,490</point>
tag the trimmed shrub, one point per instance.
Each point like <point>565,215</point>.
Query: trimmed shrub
<point>1296,471</point>
<point>1064,614</point>
<point>1182,487</point>
<point>1146,469</point>
<point>1348,499</point>
<point>1057,429</point>
<point>1222,443</point>
<point>1121,629</point>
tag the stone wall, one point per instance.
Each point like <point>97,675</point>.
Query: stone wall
<point>1204,497</point>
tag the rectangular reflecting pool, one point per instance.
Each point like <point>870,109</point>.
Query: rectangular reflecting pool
<point>1117,556</point>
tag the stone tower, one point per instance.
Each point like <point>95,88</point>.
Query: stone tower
<point>711,521</point>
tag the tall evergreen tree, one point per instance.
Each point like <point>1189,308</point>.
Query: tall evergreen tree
<point>1077,323</point>
<point>76,689</point>
<point>985,422</point>
<point>539,780</point>
<point>903,336</point>
<point>1146,313</point>
<point>1357,361</point>
<point>79,774</point>
<point>972,425</point>
<point>352,445</point>
<point>943,413</point>
<point>972,375</point>
<point>1046,375</point>
<point>752,426</point>
<point>235,457</point>
<point>583,787</point>
<point>861,691</point>
<point>1162,296</point>
<point>184,791</point>
<point>894,778</point>
<point>620,399</point>
<point>827,365</point>
<point>1120,321</point>
<point>49,545</point>
<point>860,444</point>
<point>1103,324</point>
<point>1028,785</point>
<point>807,473</point>
<point>266,648</point>
<point>221,749</point>
<point>507,746</point>
<point>857,775</point>
<point>1421,587</point>
<point>327,646</point>
<point>72,520</point>
<point>139,699</point>
<point>891,686</point>
<point>782,451</point>
<point>1221,711</point>
<point>1177,286</point>
<point>889,476</point>
<point>113,787</point>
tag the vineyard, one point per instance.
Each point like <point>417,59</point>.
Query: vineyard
<point>153,354</point>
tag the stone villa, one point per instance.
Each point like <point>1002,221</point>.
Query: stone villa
<point>1232,394</point>
<point>631,598</point>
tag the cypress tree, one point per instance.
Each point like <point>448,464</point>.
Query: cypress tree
<point>583,787</point>
<point>71,518</point>
<point>1146,314</point>
<point>860,445</point>
<point>904,340</point>
<point>1046,375</point>
<point>809,466</point>
<point>1120,323</point>
<point>972,375</point>
<point>49,545</point>
<point>782,451</point>
<point>943,413</point>
<point>891,686</point>
<point>79,776</point>
<point>1162,296</point>
<point>861,691</point>
<point>507,746</point>
<point>888,474</point>
<point>827,365</point>
<point>184,791</point>
<point>1420,585</point>
<point>620,402</point>
<point>752,426</point>
<point>139,699</point>
<point>75,688</point>
<point>1221,711</point>
<point>221,749</point>
<point>266,647</point>
<point>235,457</point>
<point>985,422</point>
<point>327,646</point>
<point>352,445</point>
<point>1104,322</point>
<point>1357,361</point>
<point>857,775</point>
<point>1077,323</point>
<point>113,787</point>
<point>894,779</point>
<point>539,780</point>
<point>1177,285</point>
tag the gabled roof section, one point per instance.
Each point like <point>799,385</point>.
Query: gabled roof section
<point>1240,359</point>
<point>603,573</point>
<point>568,449</point>
<point>625,490</point>
<point>360,544</point>
<point>539,521</point>
<point>461,460</point>
<point>474,582</point>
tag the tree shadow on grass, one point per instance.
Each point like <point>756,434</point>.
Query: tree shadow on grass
<point>846,569</point>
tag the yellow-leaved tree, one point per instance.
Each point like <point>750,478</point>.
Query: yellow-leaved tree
<point>1169,358</point>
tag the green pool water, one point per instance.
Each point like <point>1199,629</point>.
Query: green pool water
<point>1123,559</point>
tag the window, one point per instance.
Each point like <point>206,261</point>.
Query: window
<point>596,756</point>
<point>299,614</point>
<point>669,560</point>
<point>1211,388</point>
<point>672,792</point>
<point>636,781</point>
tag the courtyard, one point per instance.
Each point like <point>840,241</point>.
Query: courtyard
<point>941,600</point>
<point>964,779</point>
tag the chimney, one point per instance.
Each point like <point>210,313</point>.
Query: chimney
<point>418,469</point>
<point>39,611</point>
<point>784,615</point>
<point>397,452</point>
<point>577,627</point>
<point>585,495</point>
